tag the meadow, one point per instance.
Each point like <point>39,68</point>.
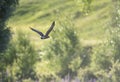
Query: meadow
<point>40,14</point>
<point>79,48</point>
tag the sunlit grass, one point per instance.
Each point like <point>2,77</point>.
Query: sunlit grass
<point>39,14</point>
<point>89,29</point>
<point>76,45</point>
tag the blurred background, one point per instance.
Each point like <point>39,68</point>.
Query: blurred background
<point>83,46</point>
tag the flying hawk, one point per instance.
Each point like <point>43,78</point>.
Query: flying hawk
<point>46,35</point>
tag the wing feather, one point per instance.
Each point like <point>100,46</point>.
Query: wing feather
<point>50,29</point>
<point>40,33</point>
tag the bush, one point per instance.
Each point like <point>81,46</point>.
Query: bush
<point>22,56</point>
<point>63,51</point>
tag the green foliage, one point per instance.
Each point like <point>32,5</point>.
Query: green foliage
<point>106,57</point>
<point>102,56</point>
<point>64,53</point>
<point>86,74</point>
<point>65,48</point>
<point>114,41</point>
<point>85,5</point>
<point>22,56</point>
<point>115,71</point>
<point>115,31</point>
<point>27,56</point>
<point>116,14</point>
<point>6,8</point>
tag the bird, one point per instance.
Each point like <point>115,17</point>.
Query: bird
<point>46,35</point>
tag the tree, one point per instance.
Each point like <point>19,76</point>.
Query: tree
<point>6,9</point>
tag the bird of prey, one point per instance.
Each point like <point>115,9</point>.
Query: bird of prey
<point>46,35</point>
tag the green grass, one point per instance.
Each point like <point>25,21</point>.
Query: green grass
<point>40,14</point>
<point>90,27</point>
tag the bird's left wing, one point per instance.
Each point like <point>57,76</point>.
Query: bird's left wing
<point>50,29</point>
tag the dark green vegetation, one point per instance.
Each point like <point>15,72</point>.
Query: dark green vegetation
<point>6,8</point>
<point>84,43</point>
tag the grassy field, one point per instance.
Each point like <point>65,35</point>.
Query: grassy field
<point>91,27</point>
<point>74,44</point>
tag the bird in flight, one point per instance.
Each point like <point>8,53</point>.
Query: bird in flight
<point>46,35</point>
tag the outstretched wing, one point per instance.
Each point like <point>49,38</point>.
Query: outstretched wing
<point>50,29</point>
<point>40,33</point>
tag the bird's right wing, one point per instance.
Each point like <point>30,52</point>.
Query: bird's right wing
<point>40,33</point>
